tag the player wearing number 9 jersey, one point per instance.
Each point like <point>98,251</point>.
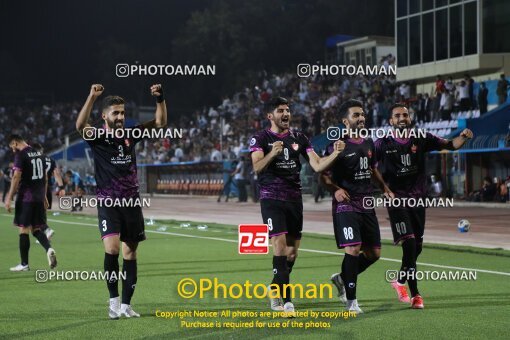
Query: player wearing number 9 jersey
<point>402,164</point>
<point>116,177</point>
<point>276,160</point>
<point>30,181</point>
<point>355,224</point>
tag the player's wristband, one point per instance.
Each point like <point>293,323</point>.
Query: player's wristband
<point>160,98</point>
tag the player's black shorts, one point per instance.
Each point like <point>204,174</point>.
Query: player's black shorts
<point>29,214</point>
<point>407,223</point>
<point>124,221</point>
<point>282,217</point>
<point>354,228</point>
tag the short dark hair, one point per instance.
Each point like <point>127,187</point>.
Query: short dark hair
<point>274,103</point>
<point>37,146</point>
<point>14,137</point>
<point>69,173</point>
<point>111,100</point>
<point>396,105</point>
<point>344,108</point>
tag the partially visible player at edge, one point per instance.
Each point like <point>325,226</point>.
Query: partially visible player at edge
<point>116,177</point>
<point>275,155</point>
<point>30,181</point>
<point>355,224</point>
<point>52,171</point>
<point>402,164</point>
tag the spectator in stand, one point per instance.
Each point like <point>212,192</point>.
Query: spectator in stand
<point>463,95</point>
<point>483,93</point>
<point>471,90</point>
<point>502,90</point>
<point>438,92</point>
<point>446,105</point>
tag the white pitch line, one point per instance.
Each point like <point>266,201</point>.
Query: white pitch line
<point>300,249</point>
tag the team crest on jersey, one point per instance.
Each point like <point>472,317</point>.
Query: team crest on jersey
<point>126,141</point>
<point>369,153</point>
<point>295,146</point>
<point>414,148</point>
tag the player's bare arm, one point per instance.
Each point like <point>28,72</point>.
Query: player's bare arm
<point>60,182</point>
<point>320,164</point>
<point>83,117</point>
<point>261,161</point>
<point>160,119</point>
<point>341,195</point>
<point>16,178</point>
<point>377,177</point>
<point>459,141</point>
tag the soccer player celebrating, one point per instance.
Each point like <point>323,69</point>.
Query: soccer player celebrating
<point>30,181</point>
<point>355,223</point>
<point>275,155</point>
<point>52,171</point>
<point>402,164</point>
<point>116,177</point>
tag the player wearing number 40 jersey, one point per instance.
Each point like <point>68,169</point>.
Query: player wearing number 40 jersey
<point>275,155</point>
<point>30,181</point>
<point>350,181</point>
<point>402,164</point>
<point>115,171</point>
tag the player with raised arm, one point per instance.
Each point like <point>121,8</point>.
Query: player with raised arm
<point>275,154</point>
<point>53,172</point>
<point>116,177</point>
<point>29,181</point>
<point>350,182</point>
<point>402,164</point>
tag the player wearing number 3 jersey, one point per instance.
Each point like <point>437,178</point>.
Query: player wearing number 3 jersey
<point>276,156</point>
<point>355,223</point>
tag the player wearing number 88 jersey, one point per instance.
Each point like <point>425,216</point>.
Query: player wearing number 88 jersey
<point>276,156</point>
<point>355,225</point>
<point>30,181</point>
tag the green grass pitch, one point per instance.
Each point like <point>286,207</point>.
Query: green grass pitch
<point>78,309</point>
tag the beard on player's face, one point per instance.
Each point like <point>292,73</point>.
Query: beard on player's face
<point>282,121</point>
<point>400,123</point>
<point>114,123</point>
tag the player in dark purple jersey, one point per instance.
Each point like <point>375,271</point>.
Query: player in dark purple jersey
<point>275,156</point>
<point>116,177</point>
<point>355,224</point>
<point>29,181</point>
<point>53,172</point>
<point>402,164</point>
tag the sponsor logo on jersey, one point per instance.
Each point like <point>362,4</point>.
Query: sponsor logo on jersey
<point>369,153</point>
<point>414,148</point>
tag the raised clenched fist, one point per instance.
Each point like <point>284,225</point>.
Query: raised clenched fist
<point>96,90</point>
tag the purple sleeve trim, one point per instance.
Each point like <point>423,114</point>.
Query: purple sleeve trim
<point>309,149</point>
<point>16,168</point>
<point>254,148</point>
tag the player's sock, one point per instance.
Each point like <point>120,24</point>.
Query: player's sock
<point>129,284</point>
<point>43,240</point>
<point>281,274</point>
<point>290,264</point>
<point>419,247</point>
<point>111,265</point>
<point>409,264</point>
<point>24,246</point>
<point>350,275</point>
<point>363,263</point>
